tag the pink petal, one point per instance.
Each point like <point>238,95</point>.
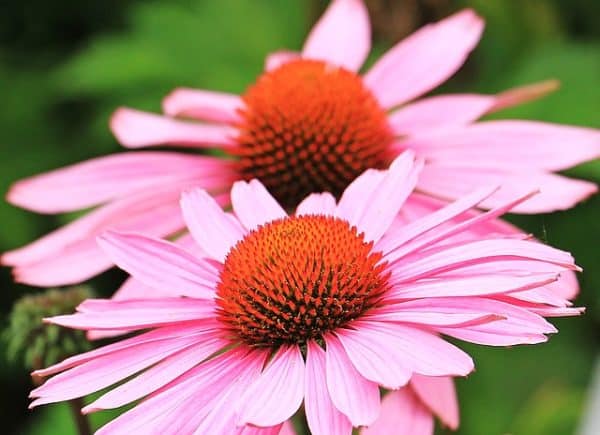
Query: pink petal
<point>386,201</point>
<point>439,395</point>
<point>136,129</point>
<point>523,94</point>
<point>512,145</point>
<point>401,414</point>
<point>70,254</point>
<point>161,264</point>
<point>444,234</point>
<point>156,335</point>
<point>454,257</point>
<point>556,191</point>
<point>101,372</point>
<point>317,203</point>
<point>278,392</point>
<point>158,375</point>
<point>215,231</point>
<point>429,316</point>
<point>350,392</point>
<point>322,416</point>
<point>181,406</point>
<point>136,314</point>
<point>253,204</point>
<point>353,202</point>
<point>278,58</point>
<point>423,352</point>
<point>374,358</point>
<point>342,36</point>
<point>439,112</point>
<point>203,105</point>
<point>99,180</point>
<point>469,285</point>
<point>399,235</point>
<point>425,59</point>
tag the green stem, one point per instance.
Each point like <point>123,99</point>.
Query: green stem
<point>81,420</point>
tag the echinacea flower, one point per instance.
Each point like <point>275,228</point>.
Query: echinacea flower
<point>322,308</point>
<point>310,123</point>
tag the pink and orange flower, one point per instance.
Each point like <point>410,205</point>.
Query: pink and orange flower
<point>310,123</point>
<point>322,308</point>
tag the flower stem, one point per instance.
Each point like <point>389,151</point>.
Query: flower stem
<point>81,420</point>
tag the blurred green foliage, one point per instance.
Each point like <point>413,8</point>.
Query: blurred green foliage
<point>64,67</point>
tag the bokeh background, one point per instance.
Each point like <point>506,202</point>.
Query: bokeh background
<point>66,65</point>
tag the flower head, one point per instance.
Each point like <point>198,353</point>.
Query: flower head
<point>310,123</point>
<point>323,307</point>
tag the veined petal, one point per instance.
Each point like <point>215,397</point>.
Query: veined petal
<point>278,392</point>
<point>136,129</point>
<point>440,112</point>
<point>446,259</point>
<point>136,314</point>
<point>423,351</point>
<point>556,191</point>
<point>159,264</point>
<point>350,392</point>
<point>511,145</point>
<point>387,199</point>
<point>215,231</point>
<point>342,36</point>
<point>322,416</point>
<point>253,204</point>
<point>99,180</point>
<point>202,104</point>
<point>374,358</point>
<point>425,59</point>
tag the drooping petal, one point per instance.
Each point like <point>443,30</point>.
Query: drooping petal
<point>556,191</point>
<point>136,314</point>
<point>99,180</point>
<point>439,112</point>
<point>317,203</point>
<point>350,392</point>
<point>423,351</point>
<point>215,231</point>
<point>70,254</point>
<point>158,375</point>
<point>278,58</point>
<point>101,372</point>
<point>253,204</point>
<point>161,264</point>
<point>402,413</point>
<point>431,219</point>
<point>439,395</point>
<point>511,145</point>
<point>342,36</point>
<point>375,359</point>
<point>203,105</point>
<point>472,284</point>
<point>425,59</point>
<point>278,392</point>
<point>445,259</point>
<point>322,416</point>
<point>136,129</point>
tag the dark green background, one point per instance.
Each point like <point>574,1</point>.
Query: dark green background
<point>65,65</point>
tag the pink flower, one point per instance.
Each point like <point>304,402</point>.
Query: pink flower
<point>323,307</point>
<point>309,124</point>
